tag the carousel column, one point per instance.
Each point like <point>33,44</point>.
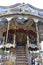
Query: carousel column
<point>3,40</point>
<point>27,41</point>
<point>7,30</point>
<point>14,41</point>
<point>36,20</point>
<point>37,36</point>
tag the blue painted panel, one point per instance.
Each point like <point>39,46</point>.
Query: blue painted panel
<point>29,8</point>
<point>3,9</point>
<point>40,13</point>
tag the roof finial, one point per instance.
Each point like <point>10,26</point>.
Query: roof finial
<point>23,3</point>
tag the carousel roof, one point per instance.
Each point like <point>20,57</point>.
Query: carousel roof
<point>21,8</point>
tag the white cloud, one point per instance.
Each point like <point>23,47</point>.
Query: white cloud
<point>36,3</point>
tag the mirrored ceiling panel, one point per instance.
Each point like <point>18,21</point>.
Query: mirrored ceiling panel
<point>21,20</point>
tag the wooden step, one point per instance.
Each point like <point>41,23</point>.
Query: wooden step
<point>22,64</point>
<point>21,47</point>
<point>21,61</point>
<point>20,51</point>
<point>20,54</point>
<point>21,58</point>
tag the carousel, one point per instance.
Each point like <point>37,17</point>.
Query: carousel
<point>20,27</point>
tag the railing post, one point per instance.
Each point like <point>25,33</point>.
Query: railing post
<point>27,41</point>
<point>14,41</point>
<point>28,56</point>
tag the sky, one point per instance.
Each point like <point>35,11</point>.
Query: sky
<point>35,3</point>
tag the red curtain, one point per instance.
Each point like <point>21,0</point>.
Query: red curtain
<point>11,31</point>
<point>30,32</point>
<point>21,30</point>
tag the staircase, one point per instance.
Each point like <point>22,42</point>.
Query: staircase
<point>21,58</point>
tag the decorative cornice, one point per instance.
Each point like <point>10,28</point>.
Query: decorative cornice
<point>21,14</point>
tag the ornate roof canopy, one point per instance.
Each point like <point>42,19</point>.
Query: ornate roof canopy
<point>21,9</point>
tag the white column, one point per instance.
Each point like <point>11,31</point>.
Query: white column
<point>37,36</point>
<point>27,41</point>
<point>38,44</point>
<point>7,31</point>
<point>3,41</point>
<point>8,28</point>
<point>14,41</point>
